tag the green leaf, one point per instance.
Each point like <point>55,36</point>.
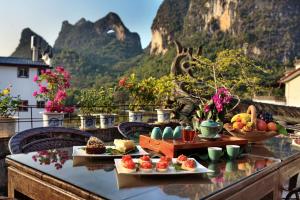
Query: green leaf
<point>281,129</point>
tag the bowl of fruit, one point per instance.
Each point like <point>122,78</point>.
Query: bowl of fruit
<point>254,127</point>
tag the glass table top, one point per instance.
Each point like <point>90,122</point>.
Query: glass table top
<point>99,176</point>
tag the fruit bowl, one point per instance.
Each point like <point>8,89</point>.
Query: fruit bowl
<point>251,134</point>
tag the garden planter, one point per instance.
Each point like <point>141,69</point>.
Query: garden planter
<point>163,115</point>
<point>7,127</point>
<point>53,119</point>
<point>88,122</point>
<point>135,116</point>
<point>107,120</point>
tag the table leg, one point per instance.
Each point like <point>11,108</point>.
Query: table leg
<point>11,189</point>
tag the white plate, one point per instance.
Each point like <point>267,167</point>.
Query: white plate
<point>79,151</point>
<point>171,171</point>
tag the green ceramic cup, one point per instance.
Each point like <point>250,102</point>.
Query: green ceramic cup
<point>214,153</point>
<point>233,151</point>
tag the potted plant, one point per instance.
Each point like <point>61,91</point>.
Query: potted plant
<point>106,101</point>
<point>52,89</point>
<point>211,114</point>
<point>88,101</point>
<point>141,94</point>
<point>8,107</point>
<point>163,90</point>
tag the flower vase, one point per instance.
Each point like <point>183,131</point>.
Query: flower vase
<point>135,116</point>
<point>87,122</point>
<point>163,115</point>
<point>107,120</point>
<point>7,127</point>
<point>53,119</point>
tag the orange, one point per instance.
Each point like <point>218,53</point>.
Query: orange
<point>237,125</point>
<point>272,126</point>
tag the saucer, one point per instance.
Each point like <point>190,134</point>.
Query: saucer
<point>209,138</point>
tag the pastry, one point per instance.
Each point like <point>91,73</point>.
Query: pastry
<point>146,166</point>
<point>126,158</point>
<point>162,166</point>
<point>165,159</point>
<point>144,159</point>
<point>124,145</point>
<point>95,146</point>
<point>180,159</point>
<point>189,165</point>
<point>129,166</point>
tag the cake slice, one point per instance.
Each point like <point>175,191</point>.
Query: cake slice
<point>124,145</point>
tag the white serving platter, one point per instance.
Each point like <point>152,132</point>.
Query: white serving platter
<point>79,151</point>
<point>171,171</point>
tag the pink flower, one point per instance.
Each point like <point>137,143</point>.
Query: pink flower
<point>35,93</point>
<point>35,78</point>
<point>122,82</point>
<point>43,89</point>
<point>60,96</point>
<point>59,69</point>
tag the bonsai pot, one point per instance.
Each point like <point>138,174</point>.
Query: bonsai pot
<point>87,122</point>
<point>7,127</point>
<point>163,115</point>
<point>135,116</point>
<point>107,120</point>
<point>53,119</point>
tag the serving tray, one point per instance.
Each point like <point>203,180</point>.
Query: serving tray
<point>173,148</point>
<point>171,171</point>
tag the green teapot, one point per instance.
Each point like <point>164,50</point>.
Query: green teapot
<point>210,128</point>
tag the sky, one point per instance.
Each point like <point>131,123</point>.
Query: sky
<point>45,17</point>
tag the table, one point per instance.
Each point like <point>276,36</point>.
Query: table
<point>250,177</point>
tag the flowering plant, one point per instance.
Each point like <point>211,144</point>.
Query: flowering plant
<point>163,90</point>
<point>52,88</point>
<point>141,93</point>
<point>8,103</point>
<point>216,108</point>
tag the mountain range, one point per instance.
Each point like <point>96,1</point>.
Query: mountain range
<point>98,52</point>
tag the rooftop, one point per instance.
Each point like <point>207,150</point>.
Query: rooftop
<point>14,61</point>
<point>290,76</point>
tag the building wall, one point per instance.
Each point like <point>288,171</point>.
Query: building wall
<point>292,92</point>
<point>25,88</point>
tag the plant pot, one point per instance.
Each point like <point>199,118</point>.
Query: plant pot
<point>107,120</point>
<point>53,119</point>
<point>135,116</point>
<point>87,122</point>
<point>163,115</point>
<point>7,127</point>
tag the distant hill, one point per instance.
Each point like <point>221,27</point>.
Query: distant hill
<point>23,49</point>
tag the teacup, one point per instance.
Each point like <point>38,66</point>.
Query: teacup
<point>156,133</point>
<point>214,153</point>
<point>210,128</point>
<point>233,151</point>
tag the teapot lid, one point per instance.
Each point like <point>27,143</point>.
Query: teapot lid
<point>210,123</point>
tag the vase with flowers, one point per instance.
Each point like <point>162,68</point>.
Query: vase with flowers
<point>8,107</point>
<point>140,94</point>
<point>210,116</point>
<point>53,85</point>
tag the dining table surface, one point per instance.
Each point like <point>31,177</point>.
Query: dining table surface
<point>100,177</point>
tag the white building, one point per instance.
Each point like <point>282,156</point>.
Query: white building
<point>19,72</point>
<point>292,86</point>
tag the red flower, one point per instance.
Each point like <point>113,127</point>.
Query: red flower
<point>122,82</point>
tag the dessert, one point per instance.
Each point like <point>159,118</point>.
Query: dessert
<point>180,159</point>
<point>124,145</point>
<point>165,159</point>
<point>162,166</point>
<point>126,158</point>
<point>189,165</point>
<point>95,146</point>
<point>129,166</point>
<point>144,159</point>
<point>146,166</point>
